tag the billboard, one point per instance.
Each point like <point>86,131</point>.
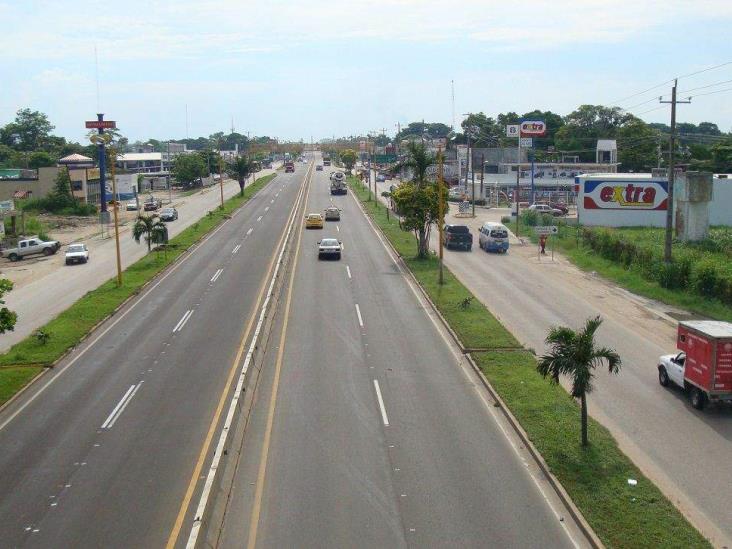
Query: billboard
<point>532,128</point>
<point>625,195</point>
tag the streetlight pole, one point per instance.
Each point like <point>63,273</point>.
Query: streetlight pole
<point>221,176</point>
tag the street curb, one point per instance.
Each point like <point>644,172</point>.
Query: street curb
<point>582,523</point>
<point>137,293</point>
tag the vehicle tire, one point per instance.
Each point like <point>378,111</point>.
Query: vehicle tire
<point>13,257</point>
<point>469,248</point>
<point>320,256</point>
<point>698,398</point>
<point>48,251</point>
<point>68,262</point>
<point>662,376</point>
<point>338,257</point>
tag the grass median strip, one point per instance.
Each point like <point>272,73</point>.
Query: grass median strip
<point>22,361</point>
<point>596,478</point>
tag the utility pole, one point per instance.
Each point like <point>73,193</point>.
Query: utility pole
<point>482,173</point>
<point>115,208</point>
<point>518,183</point>
<point>221,176</point>
<point>440,208</point>
<point>452,87</point>
<point>671,173</point>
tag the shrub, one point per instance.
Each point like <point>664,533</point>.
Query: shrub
<point>506,219</point>
<point>705,278</point>
<point>530,218</point>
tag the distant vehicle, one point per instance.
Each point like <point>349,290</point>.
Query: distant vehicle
<point>319,168</point>
<point>546,209</point>
<point>313,221</point>
<point>77,253</point>
<point>168,214</point>
<point>457,236</point>
<point>703,367</point>
<point>289,166</point>
<point>493,237</point>
<point>31,246</point>
<point>332,214</point>
<point>326,161</point>
<point>329,247</point>
<point>338,186</point>
<point>380,178</point>
<point>561,206</point>
<point>132,206</point>
<point>152,205</point>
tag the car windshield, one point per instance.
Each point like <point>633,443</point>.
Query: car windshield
<point>167,211</point>
<point>329,242</point>
<point>499,233</point>
<point>314,216</point>
<point>458,229</point>
<point>76,248</point>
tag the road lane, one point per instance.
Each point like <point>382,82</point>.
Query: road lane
<point>134,472</point>
<point>379,437</point>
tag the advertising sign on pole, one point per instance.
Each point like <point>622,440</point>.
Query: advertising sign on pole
<point>512,130</point>
<point>533,128</point>
<point>101,124</point>
<point>527,142</point>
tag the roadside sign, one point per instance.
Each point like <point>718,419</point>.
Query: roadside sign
<point>547,229</point>
<point>101,124</point>
<point>527,142</point>
<point>533,128</point>
<point>512,130</point>
<point>384,158</point>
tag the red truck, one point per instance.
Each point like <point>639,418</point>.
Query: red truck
<point>703,367</point>
<point>289,166</point>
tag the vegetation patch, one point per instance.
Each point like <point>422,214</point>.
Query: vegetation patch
<point>596,477</point>
<point>13,380</point>
<point>66,330</point>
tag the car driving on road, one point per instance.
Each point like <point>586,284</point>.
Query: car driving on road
<point>132,206</point>
<point>457,236</point>
<point>319,168</point>
<point>332,214</point>
<point>313,221</point>
<point>329,248</point>
<point>77,253</point>
<point>493,237</point>
<point>168,214</point>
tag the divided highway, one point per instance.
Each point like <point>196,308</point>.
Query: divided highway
<point>368,430</point>
<point>101,451</point>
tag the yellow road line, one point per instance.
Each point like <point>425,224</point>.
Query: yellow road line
<point>257,506</point>
<point>175,532</point>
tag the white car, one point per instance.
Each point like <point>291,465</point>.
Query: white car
<point>132,206</point>
<point>329,247</point>
<point>77,253</point>
<point>545,209</point>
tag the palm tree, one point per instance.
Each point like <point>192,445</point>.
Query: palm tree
<point>574,354</point>
<point>418,161</point>
<point>240,169</point>
<point>151,228</point>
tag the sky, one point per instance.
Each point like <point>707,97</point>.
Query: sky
<point>302,69</point>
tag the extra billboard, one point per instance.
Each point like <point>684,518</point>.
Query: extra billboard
<point>624,195</point>
<point>532,128</point>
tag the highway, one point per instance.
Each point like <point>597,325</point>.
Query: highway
<point>40,301</point>
<point>102,451</point>
<point>368,429</point>
<point>683,450</point>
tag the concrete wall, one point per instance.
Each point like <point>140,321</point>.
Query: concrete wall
<point>720,208</point>
<point>39,187</point>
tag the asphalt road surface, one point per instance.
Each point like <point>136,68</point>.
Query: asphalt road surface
<point>686,452</point>
<point>43,299</point>
<point>101,451</point>
<point>368,431</point>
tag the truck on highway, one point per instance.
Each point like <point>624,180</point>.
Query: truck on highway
<point>289,166</point>
<point>326,160</point>
<point>703,365</point>
<point>31,246</point>
<point>338,184</point>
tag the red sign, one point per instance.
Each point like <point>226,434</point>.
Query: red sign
<point>103,124</point>
<point>532,128</point>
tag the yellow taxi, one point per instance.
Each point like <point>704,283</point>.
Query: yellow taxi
<point>313,221</point>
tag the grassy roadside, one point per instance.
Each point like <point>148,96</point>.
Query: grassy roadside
<point>595,478</point>
<point>25,359</point>
<point>630,279</point>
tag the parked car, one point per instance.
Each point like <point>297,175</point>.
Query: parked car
<point>168,214</point>
<point>77,253</point>
<point>457,236</point>
<point>31,246</point>
<point>329,247</point>
<point>561,206</point>
<point>319,168</point>
<point>152,205</point>
<point>493,237</point>
<point>702,367</point>
<point>131,206</point>
<point>313,221</point>
<point>332,214</point>
<point>546,209</point>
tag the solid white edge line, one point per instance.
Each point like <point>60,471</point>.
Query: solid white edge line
<point>384,417</point>
<point>338,228</point>
<point>358,312</point>
<point>180,322</point>
<point>115,418</point>
<point>469,374</point>
<point>238,391</point>
<point>348,270</point>
<point>114,410</point>
<point>190,313</point>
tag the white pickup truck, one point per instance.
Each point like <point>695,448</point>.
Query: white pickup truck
<point>31,246</point>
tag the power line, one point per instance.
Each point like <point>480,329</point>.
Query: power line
<point>707,86</point>
<point>713,92</point>
<point>705,70</point>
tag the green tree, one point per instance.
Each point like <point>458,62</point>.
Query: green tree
<point>188,167</point>
<point>151,228</point>
<point>61,195</point>
<point>349,157</point>
<point>28,132</point>
<point>8,318</point>
<point>575,354</point>
<point>41,159</point>
<point>587,124</point>
<point>417,200</point>
<point>240,169</point>
<point>722,156</point>
<point>637,146</point>
<point>210,160</point>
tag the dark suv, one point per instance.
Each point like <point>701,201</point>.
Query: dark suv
<point>457,236</point>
